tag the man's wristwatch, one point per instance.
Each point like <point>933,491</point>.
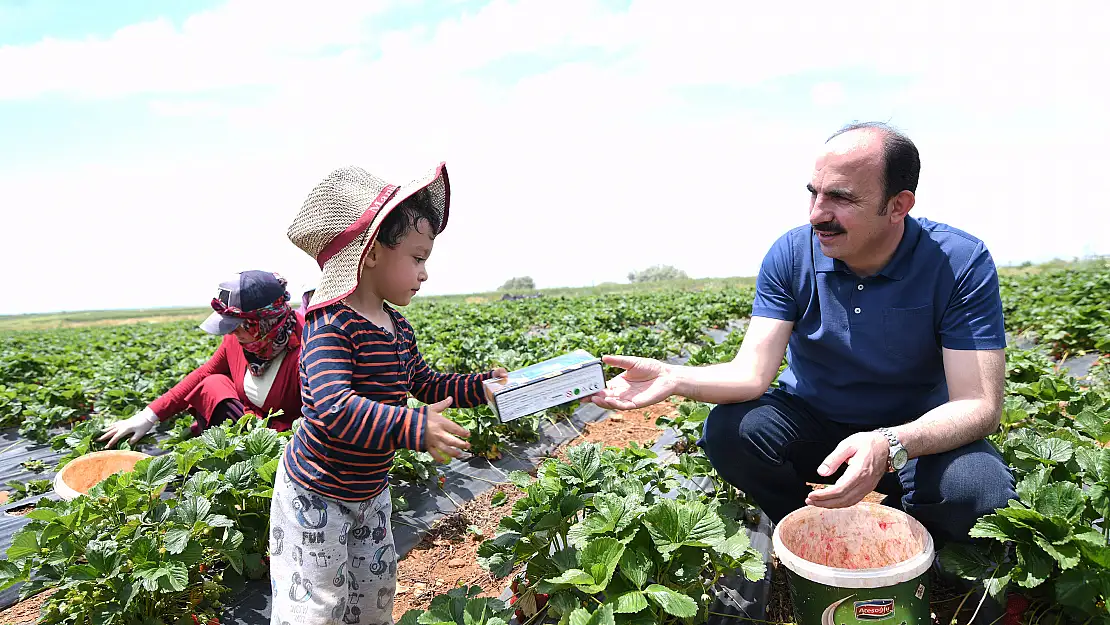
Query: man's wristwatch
<point>898,454</point>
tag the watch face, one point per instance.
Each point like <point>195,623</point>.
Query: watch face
<point>900,458</point>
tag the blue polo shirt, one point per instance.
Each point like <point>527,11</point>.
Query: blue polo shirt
<point>867,351</point>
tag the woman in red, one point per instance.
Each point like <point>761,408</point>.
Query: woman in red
<point>255,368</point>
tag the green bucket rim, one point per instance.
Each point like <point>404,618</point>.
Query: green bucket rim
<point>891,575</point>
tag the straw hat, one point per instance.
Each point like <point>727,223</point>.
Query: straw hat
<point>339,222</point>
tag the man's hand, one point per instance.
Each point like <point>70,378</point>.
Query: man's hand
<point>441,435</point>
<point>867,454</point>
<point>643,383</point>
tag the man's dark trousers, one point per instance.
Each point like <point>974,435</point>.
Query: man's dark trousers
<point>770,447</point>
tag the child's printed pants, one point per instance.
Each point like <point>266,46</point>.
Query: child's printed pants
<point>330,562</point>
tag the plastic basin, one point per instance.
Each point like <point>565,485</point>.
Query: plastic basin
<point>81,474</point>
<point>865,564</point>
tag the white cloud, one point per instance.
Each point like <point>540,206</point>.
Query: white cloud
<point>609,158</point>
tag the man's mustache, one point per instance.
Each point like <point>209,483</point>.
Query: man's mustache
<point>830,227</point>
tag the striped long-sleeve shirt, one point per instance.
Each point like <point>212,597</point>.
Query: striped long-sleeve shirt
<point>355,382</point>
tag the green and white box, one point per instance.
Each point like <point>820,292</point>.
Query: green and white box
<point>537,387</point>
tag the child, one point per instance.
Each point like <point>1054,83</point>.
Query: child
<point>331,545</point>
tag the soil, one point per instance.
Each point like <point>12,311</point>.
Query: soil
<point>447,555</point>
<point>20,511</point>
<point>25,612</point>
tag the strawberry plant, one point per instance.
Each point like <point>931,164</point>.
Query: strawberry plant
<point>414,466</point>
<point>21,490</point>
<point>123,554</point>
<point>460,606</point>
<point>589,531</point>
<point>687,424</point>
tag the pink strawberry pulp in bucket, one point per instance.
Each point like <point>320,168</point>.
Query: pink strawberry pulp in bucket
<point>854,565</point>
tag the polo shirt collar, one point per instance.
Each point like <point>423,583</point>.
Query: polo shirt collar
<point>895,269</point>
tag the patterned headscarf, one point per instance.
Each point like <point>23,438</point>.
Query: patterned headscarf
<point>274,328</point>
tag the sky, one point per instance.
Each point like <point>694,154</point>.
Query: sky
<point>150,150</point>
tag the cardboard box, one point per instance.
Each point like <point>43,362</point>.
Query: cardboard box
<point>559,380</point>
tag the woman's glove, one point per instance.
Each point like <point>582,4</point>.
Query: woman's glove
<point>136,427</point>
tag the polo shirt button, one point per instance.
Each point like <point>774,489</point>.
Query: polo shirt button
<point>858,311</point>
<point>335,407</point>
<point>859,287</point>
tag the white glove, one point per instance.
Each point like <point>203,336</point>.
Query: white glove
<point>136,427</point>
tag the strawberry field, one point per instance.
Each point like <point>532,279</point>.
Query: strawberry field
<point>596,535</point>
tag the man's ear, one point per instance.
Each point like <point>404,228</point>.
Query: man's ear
<point>899,206</point>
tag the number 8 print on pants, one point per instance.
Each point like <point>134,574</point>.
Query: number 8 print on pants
<point>331,562</point>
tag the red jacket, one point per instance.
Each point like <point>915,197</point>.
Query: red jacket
<point>229,360</point>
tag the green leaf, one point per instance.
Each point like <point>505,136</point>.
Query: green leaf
<point>1093,425</point>
<point>239,475</point>
<point>735,546</point>
<point>1099,495</point>
<point>219,520</point>
<point>629,602</point>
<point>994,526</point>
<point>583,464</point>
<point>673,603</point>
<point>1061,499</point>
<point>215,439</point>
<point>82,572</point>
<point>599,559</point>
<point>520,479</point>
<point>561,603</point>
<point>176,539</point>
<point>618,513</point>
<point>580,533</point>
<point>193,510</point>
<point>1074,589</point>
<point>174,576</point>
<point>1095,462</point>
<point>267,470</point>
<point>42,514</point>
<point>233,539</point>
<point>103,555</point>
<point>191,555</point>
<point>1066,555</point>
<point>480,612</point>
<point>24,544</point>
<point>754,569</point>
<point>1034,566</point>
<point>1052,449</point>
<point>202,484</point>
<point>603,616</point>
<point>573,577</point>
<point>673,524</point>
<point>156,471</point>
<point>1029,489</point>
<point>972,562</point>
<point>635,566</point>
<point>262,442</point>
<point>497,555</point>
<point>166,576</point>
<point>499,498</point>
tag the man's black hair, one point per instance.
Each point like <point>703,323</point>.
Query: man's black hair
<point>901,161</point>
<point>407,216</point>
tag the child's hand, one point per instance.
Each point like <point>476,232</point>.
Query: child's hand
<point>500,372</point>
<point>441,434</point>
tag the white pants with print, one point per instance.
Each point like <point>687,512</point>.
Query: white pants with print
<point>331,562</point>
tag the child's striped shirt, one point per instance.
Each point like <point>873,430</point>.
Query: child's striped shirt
<point>355,382</point>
